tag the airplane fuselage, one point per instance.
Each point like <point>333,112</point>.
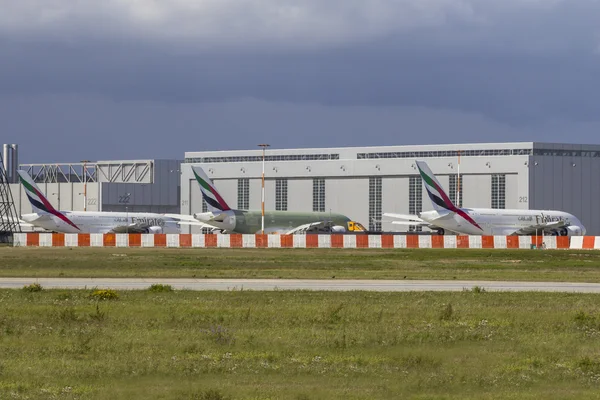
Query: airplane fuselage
<point>102,222</point>
<point>489,221</point>
<point>249,222</point>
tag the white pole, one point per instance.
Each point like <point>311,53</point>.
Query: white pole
<point>6,162</point>
<point>458,202</point>
<point>262,223</point>
<point>262,197</point>
<point>84,187</point>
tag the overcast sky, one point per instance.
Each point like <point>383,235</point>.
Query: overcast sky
<point>126,79</point>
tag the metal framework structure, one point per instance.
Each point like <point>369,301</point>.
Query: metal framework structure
<point>9,220</point>
<point>126,172</point>
<point>92,172</point>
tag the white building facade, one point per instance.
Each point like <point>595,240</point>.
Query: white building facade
<point>364,182</point>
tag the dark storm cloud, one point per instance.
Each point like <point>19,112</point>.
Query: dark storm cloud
<point>510,87</point>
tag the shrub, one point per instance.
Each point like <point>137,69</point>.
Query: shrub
<point>98,315</point>
<point>104,294</point>
<point>582,318</point>
<point>158,288</point>
<point>589,365</point>
<point>34,287</point>
<point>446,313</point>
<point>478,289</point>
<point>68,314</point>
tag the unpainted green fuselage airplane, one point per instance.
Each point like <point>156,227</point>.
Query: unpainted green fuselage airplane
<point>222,217</point>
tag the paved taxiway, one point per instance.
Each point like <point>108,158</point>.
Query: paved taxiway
<point>301,284</point>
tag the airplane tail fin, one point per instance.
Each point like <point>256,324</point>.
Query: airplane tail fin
<point>38,201</point>
<point>214,201</point>
<point>439,199</point>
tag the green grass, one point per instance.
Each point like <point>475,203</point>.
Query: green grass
<point>532,265</point>
<point>298,345</point>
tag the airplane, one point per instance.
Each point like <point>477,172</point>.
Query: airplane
<point>45,216</point>
<point>223,217</point>
<point>484,221</point>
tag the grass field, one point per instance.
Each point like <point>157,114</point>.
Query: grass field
<point>532,265</point>
<point>298,345</point>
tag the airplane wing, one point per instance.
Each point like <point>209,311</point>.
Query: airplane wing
<point>186,220</point>
<point>407,220</point>
<point>406,217</point>
<point>410,223</point>
<point>146,228</point>
<point>547,227</point>
<point>181,217</point>
<point>20,222</point>
<point>194,223</point>
<point>133,228</point>
<point>313,227</point>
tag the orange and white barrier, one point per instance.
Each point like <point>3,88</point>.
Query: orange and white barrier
<point>585,242</point>
<point>301,241</point>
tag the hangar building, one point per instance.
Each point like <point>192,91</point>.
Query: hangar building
<point>363,182</point>
<point>128,185</point>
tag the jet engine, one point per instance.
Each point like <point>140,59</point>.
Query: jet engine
<point>154,229</point>
<point>568,231</point>
<point>338,229</point>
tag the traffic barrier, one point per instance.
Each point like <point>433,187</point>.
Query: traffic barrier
<point>585,242</point>
<point>303,241</point>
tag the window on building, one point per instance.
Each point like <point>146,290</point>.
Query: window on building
<point>452,190</point>
<point>319,194</point>
<point>499,191</point>
<point>415,199</point>
<point>281,194</point>
<point>243,193</point>
<point>375,203</point>
<point>258,158</point>
<point>204,205</point>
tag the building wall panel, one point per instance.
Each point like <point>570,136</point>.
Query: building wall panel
<point>300,194</point>
<point>338,192</point>
<point>394,191</point>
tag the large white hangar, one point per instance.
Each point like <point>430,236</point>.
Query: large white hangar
<point>363,182</point>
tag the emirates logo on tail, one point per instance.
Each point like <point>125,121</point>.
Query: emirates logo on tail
<point>438,197</point>
<point>213,199</point>
<point>38,201</point>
